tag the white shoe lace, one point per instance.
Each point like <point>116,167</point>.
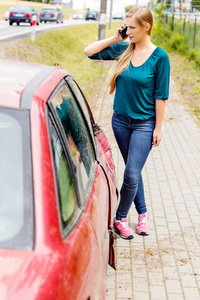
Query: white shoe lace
<point>142,221</point>
<point>125,225</point>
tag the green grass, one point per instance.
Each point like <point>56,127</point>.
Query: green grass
<point>176,40</point>
<point>65,47</point>
<point>185,62</point>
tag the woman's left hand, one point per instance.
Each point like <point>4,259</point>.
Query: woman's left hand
<point>156,137</point>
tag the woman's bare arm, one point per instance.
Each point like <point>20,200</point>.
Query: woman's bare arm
<point>160,107</point>
<point>102,44</point>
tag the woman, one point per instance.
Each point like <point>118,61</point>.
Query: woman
<point>141,80</point>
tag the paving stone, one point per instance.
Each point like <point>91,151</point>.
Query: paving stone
<point>188,280</point>
<point>123,263</point>
<point>156,278</point>
<point>175,297</point>
<point>140,284</point>
<point>160,221</point>
<point>191,293</point>
<point>170,273</point>
<point>141,296</point>
<point>158,293</point>
<point>124,290</point>
<point>110,294</point>
<point>173,286</point>
<point>124,276</point>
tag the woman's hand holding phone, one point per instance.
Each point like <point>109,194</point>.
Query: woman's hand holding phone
<point>122,32</point>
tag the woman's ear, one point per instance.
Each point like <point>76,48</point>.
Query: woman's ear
<point>147,27</point>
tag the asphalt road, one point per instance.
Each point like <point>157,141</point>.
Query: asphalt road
<point>8,33</point>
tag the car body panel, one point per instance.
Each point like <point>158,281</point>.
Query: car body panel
<point>63,265</point>
<point>13,263</point>
<point>14,72</point>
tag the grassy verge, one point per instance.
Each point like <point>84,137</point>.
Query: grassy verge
<point>65,47</point>
<point>185,63</point>
<point>187,79</point>
<point>176,40</point>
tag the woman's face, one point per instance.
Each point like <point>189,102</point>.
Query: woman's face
<point>135,32</point>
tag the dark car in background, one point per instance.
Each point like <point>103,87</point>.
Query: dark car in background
<point>23,14</point>
<point>91,15</point>
<point>51,14</point>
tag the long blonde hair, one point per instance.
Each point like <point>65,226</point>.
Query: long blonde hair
<point>143,17</point>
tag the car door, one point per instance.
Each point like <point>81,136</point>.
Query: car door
<point>83,195</point>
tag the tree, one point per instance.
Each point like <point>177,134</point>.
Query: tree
<point>195,4</point>
<point>102,21</point>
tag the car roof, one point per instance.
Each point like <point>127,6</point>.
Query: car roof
<point>14,77</point>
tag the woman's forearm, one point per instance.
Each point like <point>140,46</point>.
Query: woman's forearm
<point>160,108</point>
<point>100,45</point>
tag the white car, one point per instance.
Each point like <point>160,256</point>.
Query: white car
<point>79,15</point>
<point>7,13</point>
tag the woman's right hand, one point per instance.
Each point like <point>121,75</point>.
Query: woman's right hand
<point>118,35</point>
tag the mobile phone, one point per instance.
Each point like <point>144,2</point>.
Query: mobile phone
<point>123,32</point>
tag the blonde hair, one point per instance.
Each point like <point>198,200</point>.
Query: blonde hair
<point>143,16</point>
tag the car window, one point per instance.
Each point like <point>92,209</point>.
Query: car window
<point>82,103</point>
<point>66,191</point>
<point>16,195</point>
<point>48,9</point>
<point>76,132</point>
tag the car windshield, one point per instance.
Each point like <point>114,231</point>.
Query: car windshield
<point>21,8</point>
<point>16,209</point>
<point>48,9</point>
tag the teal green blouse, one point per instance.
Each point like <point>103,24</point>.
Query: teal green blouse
<point>137,88</point>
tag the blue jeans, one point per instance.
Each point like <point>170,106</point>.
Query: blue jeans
<point>134,138</point>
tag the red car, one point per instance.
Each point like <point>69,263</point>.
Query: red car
<point>57,188</point>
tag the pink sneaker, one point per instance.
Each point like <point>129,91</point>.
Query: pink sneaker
<point>123,229</point>
<point>143,224</point>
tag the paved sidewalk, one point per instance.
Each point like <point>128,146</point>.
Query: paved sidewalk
<point>166,264</point>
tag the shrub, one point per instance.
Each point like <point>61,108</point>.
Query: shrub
<point>194,55</point>
<point>177,41</point>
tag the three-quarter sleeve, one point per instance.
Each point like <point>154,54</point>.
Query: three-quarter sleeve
<point>112,52</point>
<point>162,77</point>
